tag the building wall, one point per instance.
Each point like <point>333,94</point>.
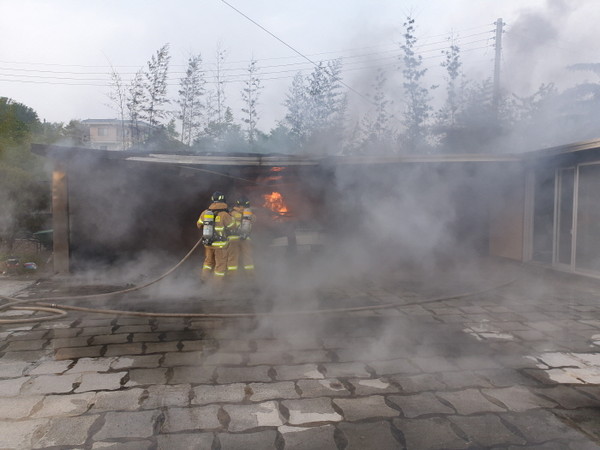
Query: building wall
<point>507,218</point>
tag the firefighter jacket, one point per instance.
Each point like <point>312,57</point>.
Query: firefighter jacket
<point>224,223</point>
<point>238,213</point>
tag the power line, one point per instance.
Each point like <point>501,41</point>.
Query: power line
<point>235,78</point>
<point>350,88</point>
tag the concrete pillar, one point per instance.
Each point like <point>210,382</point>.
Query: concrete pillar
<point>60,219</point>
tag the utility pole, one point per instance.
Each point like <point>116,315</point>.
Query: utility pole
<point>496,96</point>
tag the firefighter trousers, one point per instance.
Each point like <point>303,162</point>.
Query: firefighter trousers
<point>215,263</point>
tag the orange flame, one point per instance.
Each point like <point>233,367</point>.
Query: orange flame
<point>274,201</point>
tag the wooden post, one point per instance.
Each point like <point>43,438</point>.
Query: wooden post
<point>60,219</point>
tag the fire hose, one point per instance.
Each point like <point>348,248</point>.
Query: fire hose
<point>48,304</point>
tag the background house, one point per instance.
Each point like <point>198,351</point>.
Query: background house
<point>113,134</point>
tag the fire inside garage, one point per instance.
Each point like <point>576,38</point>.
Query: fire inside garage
<point>393,311</point>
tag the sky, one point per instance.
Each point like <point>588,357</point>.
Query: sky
<point>56,56</point>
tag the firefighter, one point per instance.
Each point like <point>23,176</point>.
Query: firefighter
<point>240,249</point>
<point>215,224</point>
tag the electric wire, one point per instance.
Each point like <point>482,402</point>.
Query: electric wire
<point>350,88</point>
<point>260,59</point>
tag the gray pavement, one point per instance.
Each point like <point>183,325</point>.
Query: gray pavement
<point>515,367</point>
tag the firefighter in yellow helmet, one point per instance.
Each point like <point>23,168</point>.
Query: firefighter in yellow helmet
<point>240,247</point>
<point>215,224</point>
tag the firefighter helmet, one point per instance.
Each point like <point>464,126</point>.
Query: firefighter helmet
<point>243,201</point>
<point>218,197</point>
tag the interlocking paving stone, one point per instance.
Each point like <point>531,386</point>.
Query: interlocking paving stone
<point>365,407</point>
<point>345,370</point>
<point>196,441</point>
<point>67,431</point>
<point>235,345</point>
<point>193,375</point>
<point>418,383</point>
<point>125,400</point>
<point>308,438</point>
<point>263,440</point>
<point>420,404</point>
<point>64,332</point>
<point>434,364</point>
<point>80,341</point>
<point>469,401</point>
<point>505,378</point>
<point>136,361</point>
<point>262,358</point>
<point>486,430</point>
<point>51,384</point>
<point>322,388</point>
<point>28,335</point>
<point>369,436</point>
<point>17,407</point>
<point>188,419</point>
<point>19,346</point>
<point>160,347</point>
<point>430,433</point>
<point>297,372</point>
<point>95,331</point>
<point>145,337</point>
<point>230,393</point>
<point>78,352</point>
<point>50,367</point>
<point>139,424</point>
<point>567,397</point>
<point>64,405</point>
<point>541,426</point>
<point>373,386</point>
<point>393,366</point>
<point>477,362</point>
<point>92,365</point>
<point>247,417</point>
<point>110,339</point>
<point>12,369</point>
<point>130,445</point>
<point>309,356</point>
<point>349,342</point>
<point>219,358</point>
<point>160,395</point>
<point>147,376</point>
<point>18,435</point>
<point>183,359</point>
<point>227,375</point>
<point>100,381</point>
<point>27,356</point>
<point>124,349</point>
<point>133,329</point>
<point>314,410</point>
<point>517,398</point>
<point>271,391</point>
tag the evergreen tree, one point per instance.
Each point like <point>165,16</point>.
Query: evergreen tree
<point>155,85</point>
<point>250,93</point>
<point>191,106</point>
<point>136,99</point>
<point>375,131</point>
<point>418,98</point>
<point>296,104</point>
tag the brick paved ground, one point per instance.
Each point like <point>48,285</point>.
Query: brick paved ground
<point>510,368</point>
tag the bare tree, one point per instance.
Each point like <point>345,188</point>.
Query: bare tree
<point>118,97</point>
